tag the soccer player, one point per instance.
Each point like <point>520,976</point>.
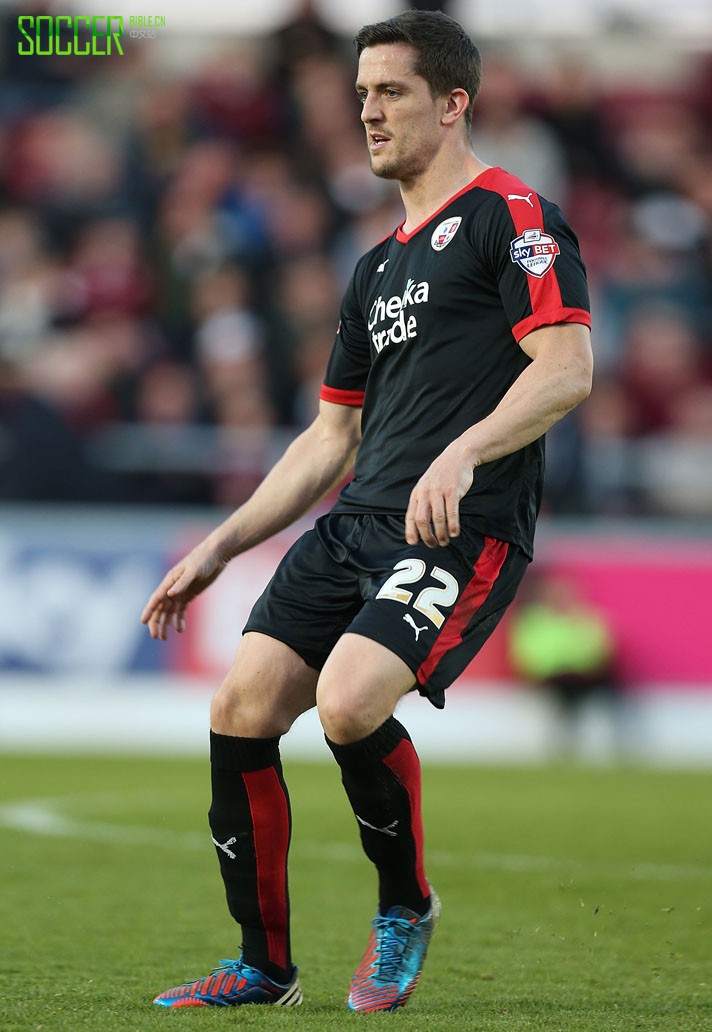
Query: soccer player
<point>463,337</point>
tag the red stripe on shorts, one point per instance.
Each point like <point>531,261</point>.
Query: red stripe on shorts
<point>270,823</point>
<point>486,571</point>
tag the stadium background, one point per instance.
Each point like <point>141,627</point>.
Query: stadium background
<point>177,224</point>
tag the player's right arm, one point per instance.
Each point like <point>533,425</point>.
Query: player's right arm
<point>314,462</point>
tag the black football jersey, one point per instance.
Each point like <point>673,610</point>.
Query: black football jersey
<point>428,345</point>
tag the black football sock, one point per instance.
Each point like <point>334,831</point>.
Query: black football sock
<point>381,775</point>
<point>251,824</point>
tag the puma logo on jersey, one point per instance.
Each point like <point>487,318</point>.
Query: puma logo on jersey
<point>388,830</point>
<point>225,846</point>
<point>382,266</point>
<point>409,619</point>
<point>520,197</point>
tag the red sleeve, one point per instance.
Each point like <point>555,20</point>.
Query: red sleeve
<point>536,258</point>
<point>550,318</point>
<point>342,397</point>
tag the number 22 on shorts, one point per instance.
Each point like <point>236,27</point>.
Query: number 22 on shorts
<point>408,571</point>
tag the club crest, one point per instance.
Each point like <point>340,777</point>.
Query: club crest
<point>444,233</point>
<point>534,251</point>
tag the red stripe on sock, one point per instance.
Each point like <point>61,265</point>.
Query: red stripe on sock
<point>486,570</point>
<point>270,823</point>
<point>404,763</point>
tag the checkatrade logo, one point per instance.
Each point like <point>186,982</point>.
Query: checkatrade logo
<point>81,35</point>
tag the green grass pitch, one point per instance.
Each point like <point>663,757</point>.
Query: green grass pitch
<point>573,899</point>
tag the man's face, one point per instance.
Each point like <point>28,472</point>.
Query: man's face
<point>401,118</point>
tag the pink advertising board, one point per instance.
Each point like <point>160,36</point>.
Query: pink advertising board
<point>655,590</point>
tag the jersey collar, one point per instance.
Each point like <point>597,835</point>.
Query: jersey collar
<point>403,238</point>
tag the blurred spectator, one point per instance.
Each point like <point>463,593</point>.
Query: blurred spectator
<point>647,428</point>
<point>677,468</point>
<point>229,342</point>
<point>565,484</point>
<point>230,345</point>
<point>41,458</point>
<point>507,136</point>
<point>650,263</point>
<point>564,645</point>
<point>654,138</point>
<point>299,220</point>
<point>322,95</point>
<point>348,179</point>
<point>309,291</point>
<point>168,395</point>
<point>235,97</point>
<point>106,272</point>
<point>367,228</point>
<point>662,364</point>
<point>303,36</point>
<point>168,403</point>
<point>30,278</point>
<point>571,107</point>
<point>205,218</point>
<point>315,347</point>
<point>81,370</point>
<point>65,167</point>
<point>163,123</point>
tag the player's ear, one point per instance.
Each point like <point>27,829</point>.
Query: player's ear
<point>456,104</point>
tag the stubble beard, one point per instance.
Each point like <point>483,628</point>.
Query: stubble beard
<point>404,167</point>
<point>385,171</point>
<point>399,169</point>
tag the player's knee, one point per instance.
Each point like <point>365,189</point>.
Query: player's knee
<point>238,708</point>
<point>267,688</point>
<point>341,725</point>
<point>222,712</point>
<point>228,711</point>
<point>344,713</point>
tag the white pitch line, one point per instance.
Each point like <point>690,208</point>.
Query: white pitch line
<point>45,817</point>
<point>42,817</point>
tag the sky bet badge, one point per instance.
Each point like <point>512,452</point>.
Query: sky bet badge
<point>535,251</point>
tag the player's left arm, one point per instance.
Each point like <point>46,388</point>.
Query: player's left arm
<point>556,380</point>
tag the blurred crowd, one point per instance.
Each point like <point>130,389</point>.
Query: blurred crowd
<point>176,233</point>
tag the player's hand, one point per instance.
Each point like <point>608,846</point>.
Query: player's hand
<point>168,603</point>
<point>433,514</point>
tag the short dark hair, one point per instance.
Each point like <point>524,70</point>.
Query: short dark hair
<point>447,58</point>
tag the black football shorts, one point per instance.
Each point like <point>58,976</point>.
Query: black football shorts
<point>355,572</point>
